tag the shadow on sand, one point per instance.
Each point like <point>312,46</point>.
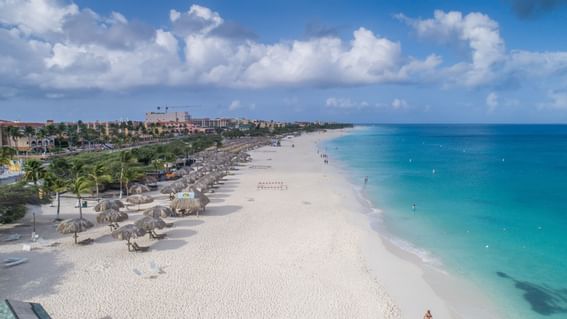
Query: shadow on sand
<point>543,299</point>
<point>169,244</point>
<point>217,195</point>
<point>221,210</point>
<point>41,282</point>
<point>180,233</point>
<point>187,222</point>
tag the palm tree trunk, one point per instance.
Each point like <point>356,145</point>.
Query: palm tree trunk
<point>80,207</point>
<point>97,197</point>
<point>121,174</point>
<point>58,204</point>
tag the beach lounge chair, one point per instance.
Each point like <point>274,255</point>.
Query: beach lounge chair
<point>19,309</point>
<point>138,248</point>
<point>12,237</point>
<point>85,242</point>
<point>13,261</point>
<point>155,235</point>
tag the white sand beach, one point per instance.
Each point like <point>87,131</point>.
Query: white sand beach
<point>304,252</point>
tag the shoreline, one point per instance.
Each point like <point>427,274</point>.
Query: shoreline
<point>463,298</point>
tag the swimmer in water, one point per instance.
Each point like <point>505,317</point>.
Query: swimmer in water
<point>413,207</point>
<point>365,180</point>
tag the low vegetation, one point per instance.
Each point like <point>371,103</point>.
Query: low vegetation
<point>13,200</point>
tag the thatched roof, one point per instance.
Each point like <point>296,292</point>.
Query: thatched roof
<point>169,189</point>
<point>204,200</point>
<point>151,179</point>
<point>150,223</point>
<point>127,232</point>
<point>187,205</point>
<point>182,172</point>
<point>75,225</point>
<point>111,216</point>
<point>138,189</point>
<point>158,211</point>
<point>108,204</point>
<point>139,199</point>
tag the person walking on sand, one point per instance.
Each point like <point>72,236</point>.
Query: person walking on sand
<point>427,315</point>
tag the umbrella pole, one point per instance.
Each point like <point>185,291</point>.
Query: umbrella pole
<point>75,236</point>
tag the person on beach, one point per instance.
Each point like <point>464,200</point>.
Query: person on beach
<point>427,315</point>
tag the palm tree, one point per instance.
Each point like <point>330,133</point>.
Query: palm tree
<point>6,154</point>
<point>125,159</point>
<point>98,174</point>
<point>15,133</point>
<point>76,168</point>
<point>129,175</point>
<point>57,185</point>
<point>158,164</point>
<point>34,171</point>
<point>79,185</point>
<point>61,128</point>
<point>60,167</point>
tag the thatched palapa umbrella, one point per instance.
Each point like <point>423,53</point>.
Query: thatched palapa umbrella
<point>108,204</point>
<point>204,200</point>
<point>111,216</point>
<point>168,189</point>
<point>74,226</point>
<point>181,172</point>
<point>149,224</point>
<point>139,199</point>
<point>128,232</point>
<point>158,211</point>
<point>138,189</point>
<point>186,205</point>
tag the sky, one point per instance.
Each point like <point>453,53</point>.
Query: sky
<point>397,61</point>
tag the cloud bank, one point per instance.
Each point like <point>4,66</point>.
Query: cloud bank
<point>52,46</point>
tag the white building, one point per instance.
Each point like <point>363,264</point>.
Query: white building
<point>158,117</point>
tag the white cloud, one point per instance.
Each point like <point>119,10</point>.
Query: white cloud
<point>399,104</point>
<point>234,105</point>
<point>490,63</point>
<point>345,103</point>
<point>37,17</point>
<point>478,31</point>
<point>341,103</point>
<point>492,100</point>
<point>198,19</point>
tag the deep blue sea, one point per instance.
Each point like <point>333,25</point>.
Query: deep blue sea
<point>490,203</point>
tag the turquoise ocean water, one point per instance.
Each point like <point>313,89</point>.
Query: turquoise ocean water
<point>491,203</point>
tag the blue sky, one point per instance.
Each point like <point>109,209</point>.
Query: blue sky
<point>362,61</point>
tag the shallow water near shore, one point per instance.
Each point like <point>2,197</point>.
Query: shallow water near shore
<point>488,204</point>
